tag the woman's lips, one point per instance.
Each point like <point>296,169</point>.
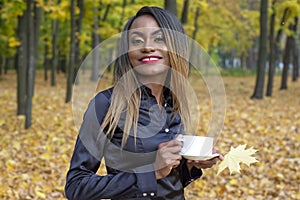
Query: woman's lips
<point>150,59</point>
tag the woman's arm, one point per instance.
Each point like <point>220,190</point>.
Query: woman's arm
<point>82,181</point>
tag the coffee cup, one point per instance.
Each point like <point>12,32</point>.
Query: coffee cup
<point>197,147</point>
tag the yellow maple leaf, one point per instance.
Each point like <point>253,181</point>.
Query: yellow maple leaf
<point>236,156</point>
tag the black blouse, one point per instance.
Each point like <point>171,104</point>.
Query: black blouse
<point>130,171</point>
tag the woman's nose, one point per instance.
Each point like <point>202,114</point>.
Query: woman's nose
<point>148,47</point>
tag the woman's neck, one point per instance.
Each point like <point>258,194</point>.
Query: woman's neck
<point>157,91</point>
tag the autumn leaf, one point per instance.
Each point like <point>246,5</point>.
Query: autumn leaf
<point>13,42</point>
<point>236,156</point>
<point>34,162</point>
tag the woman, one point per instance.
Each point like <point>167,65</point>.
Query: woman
<point>136,126</point>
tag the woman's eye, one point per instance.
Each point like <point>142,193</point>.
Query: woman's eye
<point>136,41</point>
<point>159,39</point>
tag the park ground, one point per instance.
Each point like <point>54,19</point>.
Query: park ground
<point>34,162</point>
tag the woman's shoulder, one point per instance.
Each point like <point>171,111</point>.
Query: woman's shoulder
<point>102,102</point>
<point>104,95</point>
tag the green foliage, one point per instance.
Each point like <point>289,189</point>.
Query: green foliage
<point>224,25</point>
<point>293,10</point>
<point>9,10</point>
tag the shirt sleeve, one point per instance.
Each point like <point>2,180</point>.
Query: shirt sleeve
<point>82,180</point>
<point>188,176</point>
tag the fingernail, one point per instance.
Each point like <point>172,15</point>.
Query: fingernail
<point>179,138</point>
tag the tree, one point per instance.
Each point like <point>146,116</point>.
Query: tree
<point>289,48</point>
<point>70,76</point>
<point>55,29</point>
<point>171,6</point>
<point>262,54</point>
<point>122,15</point>
<point>30,63</point>
<point>295,52</point>
<point>37,10</point>
<point>280,33</point>
<point>95,42</point>
<point>196,28</point>
<point>272,55</point>
<point>21,60</point>
<point>185,10</point>
<point>78,31</point>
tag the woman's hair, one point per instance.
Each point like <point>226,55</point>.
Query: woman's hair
<point>125,100</point>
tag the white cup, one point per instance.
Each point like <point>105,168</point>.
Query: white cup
<point>197,146</point>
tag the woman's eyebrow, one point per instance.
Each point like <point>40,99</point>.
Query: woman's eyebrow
<point>156,32</point>
<point>137,33</point>
<point>141,34</point>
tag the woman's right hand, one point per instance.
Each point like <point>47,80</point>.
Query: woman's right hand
<point>167,157</point>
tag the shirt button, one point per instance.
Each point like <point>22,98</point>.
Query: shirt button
<point>152,194</point>
<point>167,130</point>
<point>144,194</point>
<point>165,105</point>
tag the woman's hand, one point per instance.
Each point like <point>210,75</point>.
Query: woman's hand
<point>167,157</point>
<point>204,164</point>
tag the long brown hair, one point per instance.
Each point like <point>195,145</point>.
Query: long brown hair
<point>126,102</point>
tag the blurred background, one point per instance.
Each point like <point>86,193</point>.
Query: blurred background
<point>255,45</point>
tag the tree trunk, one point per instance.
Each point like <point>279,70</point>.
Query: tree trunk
<point>55,30</point>
<point>272,55</point>
<point>295,52</point>
<point>286,62</point>
<point>72,52</point>
<point>262,54</point>
<point>46,61</point>
<point>106,13</point>
<point>285,15</point>
<point>185,10</point>
<point>295,62</point>
<point>250,62</point>
<point>6,65</point>
<point>30,64</point>
<point>111,54</point>
<point>122,15</point>
<point>196,28</point>
<point>21,62</point>
<point>96,41</point>
<point>171,6</point>
<point>288,54</point>
<point>77,41</point>
<point>1,64</point>
<point>62,62</point>
<point>36,32</point>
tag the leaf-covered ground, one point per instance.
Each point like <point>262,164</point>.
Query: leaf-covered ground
<point>34,162</point>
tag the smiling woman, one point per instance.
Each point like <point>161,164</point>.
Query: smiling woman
<point>137,125</point>
<point>148,53</point>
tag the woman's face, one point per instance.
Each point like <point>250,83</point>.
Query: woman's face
<point>148,52</point>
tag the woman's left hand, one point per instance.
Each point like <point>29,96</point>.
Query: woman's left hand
<point>204,164</point>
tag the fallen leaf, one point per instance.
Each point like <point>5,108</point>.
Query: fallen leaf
<point>236,156</point>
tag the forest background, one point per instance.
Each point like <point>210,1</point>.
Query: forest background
<point>254,43</point>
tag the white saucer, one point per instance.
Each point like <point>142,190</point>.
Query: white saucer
<point>201,157</point>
